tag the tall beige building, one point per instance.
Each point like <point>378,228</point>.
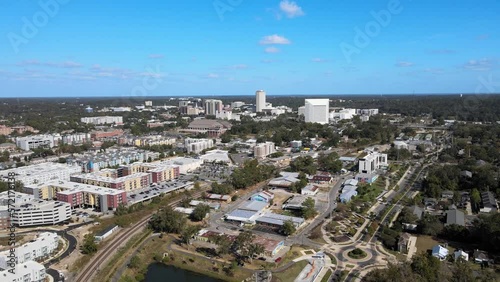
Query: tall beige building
<point>260,100</point>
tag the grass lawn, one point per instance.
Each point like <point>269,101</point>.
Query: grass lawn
<point>326,278</point>
<point>292,254</point>
<point>316,235</point>
<point>425,243</point>
<point>291,273</point>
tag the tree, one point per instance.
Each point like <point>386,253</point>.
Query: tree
<point>121,210</point>
<point>308,210</point>
<point>288,228</point>
<point>305,164</point>
<point>135,261</point>
<point>242,245</point>
<point>89,245</point>
<point>330,162</point>
<point>475,198</point>
<point>200,212</point>
<point>167,220</point>
<point>188,233</point>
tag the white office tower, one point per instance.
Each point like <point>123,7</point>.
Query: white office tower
<point>317,110</point>
<point>260,100</point>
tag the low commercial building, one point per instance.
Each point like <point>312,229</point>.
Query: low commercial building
<point>40,212</point>
<point>102,120</point>
<point>29,271</point>
<point>41,173</point>
<point>218,197</point>
<point>214,206</point>
<point>218,156</point>
<point>41,247</point>
<point>367,177</point>
<point>277,220</point>
<point>186,165</point>
<point>105,233</point>
<point>36,141</point>
<point>285,180</point>
<point>322,178</point>
<point>294,203</point>
<point>455,216</point>
<point>347,196</point>
<point>79,195</point>
<point>310,190</point>
<point>264,196</point>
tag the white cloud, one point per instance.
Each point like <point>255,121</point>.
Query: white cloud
<point>212,75</point>
<point>479,65</point>
<point>271,50</point>
<point>274,39</point>
<point>65,64</point>
<point>156,56</point>
<point>291,9</point>
<point>319,60</point>
<point>404,64</point>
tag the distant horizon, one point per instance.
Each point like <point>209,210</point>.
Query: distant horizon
<point>247,95</point>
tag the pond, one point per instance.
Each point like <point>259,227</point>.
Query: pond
<point>158,272</point>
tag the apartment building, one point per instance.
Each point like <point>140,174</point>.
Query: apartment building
<point>103,135</point>
<point>213,106</point>
<point>114,156</point>
<point>7,130</point>
<point>197,145</point>
<point>158,172</point>
<point>29,271</point>
<point>39,212</point>
<point>102,120</point>
<point>263,150</point>
<point>79,195</point>
<point>367,112</point>
<point>107,180</point>
<point>41,173</point>
<point>41,247</point>
<point>76,139</point>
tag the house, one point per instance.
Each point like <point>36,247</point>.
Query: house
<point>403,242</point>
<point>217,197</point>
<point>309,190</point>
<point>430,202</point>
<point>440,252</point>
<point>455,216</point>
<point>367,177</point>
<point>263,196</point>
<point>466,173</point>
<point>285,180</point>
<point>322,178</point>
<point>347,196</point>
<point>461,255</point>
<point>488,202</point>
<point>349,188</point>
<point>448,194</point>
<point>480,256</point>
<point>418,212</point>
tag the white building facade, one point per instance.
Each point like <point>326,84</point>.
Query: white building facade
<point>42,247</point>
<point>317,110</point>
<point>40,173</point>
<point>30,271</point>
<point>260,100</point>
<point>103,120</point>
<point>263,150</point>
<point>212,107</point>
<point>197,145</point>
<point>371,162</point>
<point>35,141</point>
<point>40,213</point>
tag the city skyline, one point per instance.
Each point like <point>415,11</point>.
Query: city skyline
<point>56,48</point>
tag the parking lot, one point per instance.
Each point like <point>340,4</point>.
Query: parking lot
<point>213,172</point>
<point>145,194</point>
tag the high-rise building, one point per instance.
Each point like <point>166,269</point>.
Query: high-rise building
<point>260,100</point>
<point>212,107</point>
<point>317,110</point>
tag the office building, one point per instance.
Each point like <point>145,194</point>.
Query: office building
<point>41,247</point>
<point>39,212</point>
<point>36,141</point>
<point>197,145</point>
<point>212,107</point>
<point>263,150</point>
<point>260,100</point>
<point>372,162</point>
<point>29,271</point>
<point>237,104</point>
<point>41,173</point>
<point>102,120</point>
<point>148,103</point>
<point>317,110</point>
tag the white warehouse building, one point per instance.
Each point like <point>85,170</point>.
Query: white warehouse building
<point>102,120</point>
<point>317,110</point>
<point>197,145</point>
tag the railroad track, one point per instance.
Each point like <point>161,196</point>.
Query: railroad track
<point>108,251</point>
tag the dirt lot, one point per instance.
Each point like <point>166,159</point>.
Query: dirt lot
<point>280,196</point>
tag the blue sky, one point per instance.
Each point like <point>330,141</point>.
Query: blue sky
<point>234,47</point>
